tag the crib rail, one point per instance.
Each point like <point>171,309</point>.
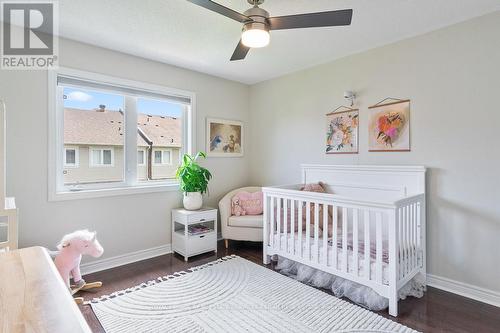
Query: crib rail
<point>410,236</point>
<point>375,243</point>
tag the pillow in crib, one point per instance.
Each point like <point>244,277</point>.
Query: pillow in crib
<point>249,203</point>
<point>319,188</point>
<point>314,187</point>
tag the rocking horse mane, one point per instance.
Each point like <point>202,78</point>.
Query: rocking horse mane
<point>84,235</point>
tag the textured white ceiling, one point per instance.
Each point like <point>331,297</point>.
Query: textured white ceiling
<point>182,34</point>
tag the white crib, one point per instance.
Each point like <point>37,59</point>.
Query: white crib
<point>377,223</point>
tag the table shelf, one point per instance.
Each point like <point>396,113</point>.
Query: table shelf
<point>189,244</point>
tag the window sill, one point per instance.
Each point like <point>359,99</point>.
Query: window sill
<point>110,192</point>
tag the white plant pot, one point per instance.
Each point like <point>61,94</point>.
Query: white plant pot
<point>192,200</point>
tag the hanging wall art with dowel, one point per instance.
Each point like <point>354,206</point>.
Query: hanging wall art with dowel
<point>342,129</point>
<point>389,126</point>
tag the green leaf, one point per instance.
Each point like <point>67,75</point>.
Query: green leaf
<point>193,177</point>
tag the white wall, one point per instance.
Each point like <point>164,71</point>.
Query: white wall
<point>124,223</point>
<point>452,77</point>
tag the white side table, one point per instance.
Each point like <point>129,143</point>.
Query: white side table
<point>194,231</point>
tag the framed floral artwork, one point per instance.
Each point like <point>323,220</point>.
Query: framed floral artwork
<point>342,129</point>
<point>389,126</point>
<point>224,138</point>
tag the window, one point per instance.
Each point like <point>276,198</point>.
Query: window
<point>162,157</point>
<point>71,157</point>
<point>114,134</point>
<point>158,157</point>
<point>101,157</point>
<point>141,157</point>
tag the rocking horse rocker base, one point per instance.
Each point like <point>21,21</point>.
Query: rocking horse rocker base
<point>82,286</point>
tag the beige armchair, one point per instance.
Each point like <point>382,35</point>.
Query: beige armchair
<point>247,228</point>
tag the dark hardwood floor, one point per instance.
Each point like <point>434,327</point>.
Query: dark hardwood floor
<point>437,311</point>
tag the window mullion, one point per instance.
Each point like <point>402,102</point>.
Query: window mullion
<point>130,142</point>
<point>60,153</point>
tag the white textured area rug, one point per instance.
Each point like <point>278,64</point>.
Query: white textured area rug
<point>233,295</point>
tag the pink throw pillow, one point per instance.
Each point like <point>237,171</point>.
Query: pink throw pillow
<point>246,203</point>
<point>319,187</point>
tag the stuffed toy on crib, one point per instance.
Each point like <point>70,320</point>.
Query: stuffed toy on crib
<point>67,261</point>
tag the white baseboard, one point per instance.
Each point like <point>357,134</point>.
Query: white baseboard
<point>464,289</point>
<point>128,258</point>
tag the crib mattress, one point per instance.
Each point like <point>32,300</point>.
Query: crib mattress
<point>315,252</point>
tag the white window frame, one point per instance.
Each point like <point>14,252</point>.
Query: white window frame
<point>93,164</point>
<point>57,191</point>
<point>163,162</point>
<point>143,156</point>
<point>77,158</point>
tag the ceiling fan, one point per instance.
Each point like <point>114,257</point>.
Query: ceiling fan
<point>257,23</point>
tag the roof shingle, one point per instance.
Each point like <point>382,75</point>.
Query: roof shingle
<point>93,127</point>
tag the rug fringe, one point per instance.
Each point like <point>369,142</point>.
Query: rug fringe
<point>158,280</point>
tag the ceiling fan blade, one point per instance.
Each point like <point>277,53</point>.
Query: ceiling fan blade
<point>240,52</point>
<point>220,9</point>
<point>312,20</point>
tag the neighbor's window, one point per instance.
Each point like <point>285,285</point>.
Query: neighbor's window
<point>117,134</point>
<point>101,157</point>
<point>141,158</point>
<point>163,157</point>
<point>158,157</point>
<point>70,157</point>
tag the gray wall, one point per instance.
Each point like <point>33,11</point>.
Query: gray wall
<point>124,223</point>
<point>452,77</point>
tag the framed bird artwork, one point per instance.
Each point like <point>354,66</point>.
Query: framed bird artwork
<point>224,138</point>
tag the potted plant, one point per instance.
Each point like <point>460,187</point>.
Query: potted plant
<point>193,181</point>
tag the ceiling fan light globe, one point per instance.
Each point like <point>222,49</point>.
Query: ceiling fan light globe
<point>255,38</point>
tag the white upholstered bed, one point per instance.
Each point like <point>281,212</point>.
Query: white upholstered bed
<point>381,208</point>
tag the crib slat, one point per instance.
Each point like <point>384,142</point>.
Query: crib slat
<point>278,222</point>
<point>414,230</point>
<point>316,232</point>
<point>285,223</point>
<point>325,235</point>
<point>344,239</point>
<point>378,267</point>
<point>335,230</point>
<point>400,243</point>
<point>300,204</point>
<point>292,225</point>
<point>403,241</point>
<point>355,257</point>
<point>308,231</point>
<point>405,250</point>
<point>411,237</point>
<point>419,236</point>
<point>367,245</point>
<point>272,215</point>
<point>408,239</point>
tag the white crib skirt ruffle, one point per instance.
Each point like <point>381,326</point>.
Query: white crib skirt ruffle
<point>359,294</point>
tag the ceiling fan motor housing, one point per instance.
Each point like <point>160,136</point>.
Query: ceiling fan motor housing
<point>255,2</point>
<point>259,18</point>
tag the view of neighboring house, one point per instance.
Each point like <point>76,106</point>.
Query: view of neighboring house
<point>94,141</point>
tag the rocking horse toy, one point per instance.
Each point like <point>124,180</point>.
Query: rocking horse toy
<point>71,248</point>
